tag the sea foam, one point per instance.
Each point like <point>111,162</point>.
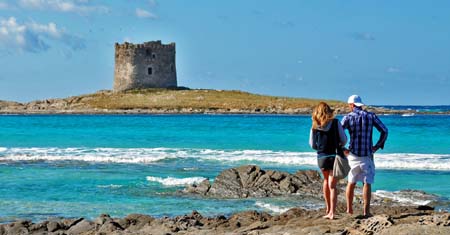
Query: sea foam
<point>171,181</point>
<point>402,161</point>
<point>112,186</point>
<point>272,208</point>
<point>407,197</point>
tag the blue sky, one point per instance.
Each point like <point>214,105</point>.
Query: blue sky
<point>389,52</point>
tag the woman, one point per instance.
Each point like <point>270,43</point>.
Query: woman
<point>326,136</point>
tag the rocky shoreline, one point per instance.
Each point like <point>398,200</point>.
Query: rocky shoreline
<point>38,108</point>
<point>390,217</point>
<point>177,102</point>
<point>187,111</point>
<point>387,220</point>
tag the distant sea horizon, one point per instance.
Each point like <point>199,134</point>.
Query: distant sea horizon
<point>417,108</point>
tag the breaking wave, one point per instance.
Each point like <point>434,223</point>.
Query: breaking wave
<point>154,155</point>
<point>271,208</point>
<point>408,197</point>
<point>170,181</point>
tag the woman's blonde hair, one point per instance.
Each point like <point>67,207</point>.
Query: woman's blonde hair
<point>322,114</point>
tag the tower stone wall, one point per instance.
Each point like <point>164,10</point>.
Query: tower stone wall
<point>147,65</point>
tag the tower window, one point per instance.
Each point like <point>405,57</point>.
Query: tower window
<point>154,55</point>
<point>150,70</point>
<point>148,52</point>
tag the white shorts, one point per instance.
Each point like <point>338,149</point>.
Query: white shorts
<point>362,169</point>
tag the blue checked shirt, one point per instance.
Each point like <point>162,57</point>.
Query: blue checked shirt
<point>359,124</point>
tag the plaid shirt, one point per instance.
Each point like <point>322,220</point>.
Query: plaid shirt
<point>359,124</point>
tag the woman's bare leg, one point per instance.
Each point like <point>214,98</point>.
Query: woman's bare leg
<point>326,189</point>
<point>333,195</point>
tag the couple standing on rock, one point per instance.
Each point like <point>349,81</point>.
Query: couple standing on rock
<point>327,137</point>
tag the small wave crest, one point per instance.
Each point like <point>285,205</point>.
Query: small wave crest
<point>413,161</point>
<point>171,181</point>
<point>407,197</point>
<point>272,208</point>
<point>404,161</point>
<point>110,186</point>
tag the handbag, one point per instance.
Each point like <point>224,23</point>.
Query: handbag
<point>341,167</point>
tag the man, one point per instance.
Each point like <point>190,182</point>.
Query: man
<point>359,124</point>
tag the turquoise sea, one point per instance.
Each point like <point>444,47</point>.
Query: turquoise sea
<point>85,165</point>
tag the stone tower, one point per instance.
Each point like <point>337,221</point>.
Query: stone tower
<point>147,65</point>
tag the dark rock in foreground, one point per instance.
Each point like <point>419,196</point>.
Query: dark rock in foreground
<point>399,220</point>
<point>252,181</point>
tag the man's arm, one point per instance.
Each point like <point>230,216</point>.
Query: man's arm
<point>383,132</point>
<point>345,123</point>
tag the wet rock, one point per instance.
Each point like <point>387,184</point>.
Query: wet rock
<point>425,208</point>
<point>19,227</point>
<point>109,227</point>
<point>38,228</point>
<point>81,227</point>
<point>201,188</point>
<point>252,181</point>
<point>102,219</point>
<point>53,226</point>
<point>135,221</point>
<point>67,223</point>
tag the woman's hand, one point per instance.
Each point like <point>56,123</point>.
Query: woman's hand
<point>346,152</point>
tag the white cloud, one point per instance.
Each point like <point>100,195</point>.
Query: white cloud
<point>145,14</point>
<point>4,5</point>
<point>153,3</point>
<point>35,37</point>
<point>127,39</point>
<point>77,6</point>
<point>364,36</point>
<point>393,70</point>
<point>49,29</point>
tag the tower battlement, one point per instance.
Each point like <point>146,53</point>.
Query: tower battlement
<point>146,65</point>
<point>150,45</point>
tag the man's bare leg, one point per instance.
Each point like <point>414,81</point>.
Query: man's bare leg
<point>367,193</point>
<point>349,193</point>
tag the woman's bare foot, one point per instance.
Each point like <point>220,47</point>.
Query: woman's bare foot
<point>328,216</point>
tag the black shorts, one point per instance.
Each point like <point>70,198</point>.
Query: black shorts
<point>326,163</point>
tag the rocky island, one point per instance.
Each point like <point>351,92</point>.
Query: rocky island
<point>174,101</point>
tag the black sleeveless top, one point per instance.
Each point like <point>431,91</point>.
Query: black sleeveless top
<point>325,142</point>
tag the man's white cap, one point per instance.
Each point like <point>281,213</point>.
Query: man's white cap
<point>355,99</point>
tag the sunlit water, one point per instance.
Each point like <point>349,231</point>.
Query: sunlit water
<point>85,165</point>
